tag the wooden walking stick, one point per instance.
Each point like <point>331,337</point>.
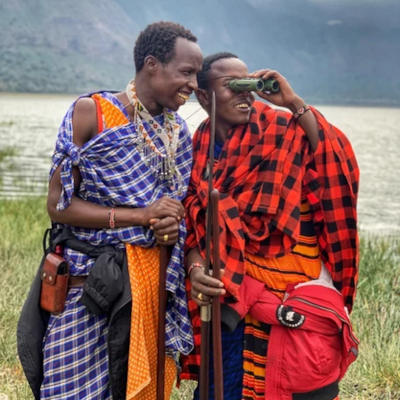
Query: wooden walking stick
<point>205,311</point>
<point>216,304</point>
<point>162,307</point>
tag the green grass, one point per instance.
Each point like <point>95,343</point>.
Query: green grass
<point>376,316</point>
<point>7,152</point>
<point>6,161</point>
<point>22,224</point>
<point>376,319</point>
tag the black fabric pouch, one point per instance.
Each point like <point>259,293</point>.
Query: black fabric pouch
<point>104,283</point>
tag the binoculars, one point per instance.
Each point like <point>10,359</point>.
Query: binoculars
<point>254,85</point>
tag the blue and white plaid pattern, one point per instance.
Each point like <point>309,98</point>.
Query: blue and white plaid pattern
<point>75,354</point>
<point>114,174</point>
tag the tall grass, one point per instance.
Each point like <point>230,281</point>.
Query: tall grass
<point>376,316</point>
<point>22,224</point>
<point>376,319</point>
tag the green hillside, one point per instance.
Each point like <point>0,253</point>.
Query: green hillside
<point>331,51</point>
<point>64,46</point>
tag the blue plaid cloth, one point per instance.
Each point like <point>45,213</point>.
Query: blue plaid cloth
<point>114,173</point>
<point>75,354</point>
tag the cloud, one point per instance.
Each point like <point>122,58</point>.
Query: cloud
<point>260,3</point>
<point>353,2</point>
<point>333,22</point>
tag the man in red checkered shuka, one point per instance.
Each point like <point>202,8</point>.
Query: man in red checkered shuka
<point>288,183</point>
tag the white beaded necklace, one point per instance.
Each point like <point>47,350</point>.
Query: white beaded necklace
<point>162,164</point>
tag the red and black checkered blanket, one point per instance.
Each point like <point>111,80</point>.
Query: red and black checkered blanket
<point>264,169</point>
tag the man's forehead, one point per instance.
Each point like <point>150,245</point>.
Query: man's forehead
<point>228,67</point>
<point>185,49</point>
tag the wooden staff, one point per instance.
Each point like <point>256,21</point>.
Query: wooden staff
<point>205,311</point>
<point>162,306</point>
<point>216,304</point>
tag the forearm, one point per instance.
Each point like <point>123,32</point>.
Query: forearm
<point>194,257</point>
<point>307,121</point>
<point>85,214</point>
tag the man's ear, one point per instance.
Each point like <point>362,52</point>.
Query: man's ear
<point>203,98</point>
<point>151,63</point>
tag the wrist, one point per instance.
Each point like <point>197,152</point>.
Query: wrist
<point>301,111</point>
<point>141,217</point>
<point>193,266</point>
<point>296,104</point>
<point>127,216</point>
<point>298,107</point>
<point>111,218</point>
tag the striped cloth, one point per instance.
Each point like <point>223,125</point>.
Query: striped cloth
<point>113,173</point>
<point>302,264</point>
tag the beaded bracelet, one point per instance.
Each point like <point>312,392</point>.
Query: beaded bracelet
<point>192,266</point>
<point>301,111</point>
<point>111,218</point>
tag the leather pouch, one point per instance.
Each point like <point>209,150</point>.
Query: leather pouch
<point>54,276</point>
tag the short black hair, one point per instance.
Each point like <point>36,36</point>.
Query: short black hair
<point>202,76</point>
<point>158,39</point>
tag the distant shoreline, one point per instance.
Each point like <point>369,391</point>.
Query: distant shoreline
<point>310,100</point>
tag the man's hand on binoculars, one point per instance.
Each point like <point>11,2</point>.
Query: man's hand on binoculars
<point>286,97</point>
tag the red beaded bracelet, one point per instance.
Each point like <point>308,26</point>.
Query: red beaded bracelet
<point>192,266</point>
<point>111,218</point>
<point>301,111</point>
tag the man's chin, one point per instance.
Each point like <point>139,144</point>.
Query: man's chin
<point>244,119</point>
<point>174,106</point>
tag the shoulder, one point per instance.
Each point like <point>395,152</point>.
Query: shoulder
<point>84,120</point>
<point>84,104</point>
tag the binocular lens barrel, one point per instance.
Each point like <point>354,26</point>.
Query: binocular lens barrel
<point>254,85</point>
<point>271,85</point>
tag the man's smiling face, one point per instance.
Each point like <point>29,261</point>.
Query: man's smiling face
<point>232,108</point>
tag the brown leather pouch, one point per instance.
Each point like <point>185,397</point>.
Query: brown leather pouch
<point>54,276</point>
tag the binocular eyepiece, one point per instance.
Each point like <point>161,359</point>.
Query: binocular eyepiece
<point>254,85</point>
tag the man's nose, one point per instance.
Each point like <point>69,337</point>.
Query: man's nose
<point>193,82</point>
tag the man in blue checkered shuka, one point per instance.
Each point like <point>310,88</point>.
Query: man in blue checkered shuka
<point>120,169</point>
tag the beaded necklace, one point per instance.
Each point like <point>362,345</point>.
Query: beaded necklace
<point>161,161</point>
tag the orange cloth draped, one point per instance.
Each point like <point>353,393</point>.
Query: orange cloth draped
<point>143,266</point>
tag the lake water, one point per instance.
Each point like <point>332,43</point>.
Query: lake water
<point>29,123</point>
